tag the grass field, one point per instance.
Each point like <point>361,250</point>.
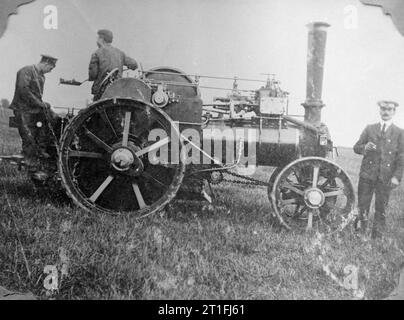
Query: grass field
<point>229,251</point>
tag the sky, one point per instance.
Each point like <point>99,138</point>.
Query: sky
<point>364,55</point>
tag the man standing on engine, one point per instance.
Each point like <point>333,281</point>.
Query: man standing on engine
<point>106,59</point>
<point>382,147</point>
<point>31,112</point>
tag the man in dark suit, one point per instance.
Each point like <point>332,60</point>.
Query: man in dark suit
<point>382,147</point>
<point>105,60</point>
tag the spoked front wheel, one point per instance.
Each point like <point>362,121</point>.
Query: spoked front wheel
<point>312,193</point>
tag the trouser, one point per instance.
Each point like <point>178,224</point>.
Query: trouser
<point>35,135</point>
<point>366,189</point>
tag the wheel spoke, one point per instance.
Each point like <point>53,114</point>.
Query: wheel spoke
<point>85,154</point>
<point>106,119</point>
<point>154,146</point>
<point>139,196</point>
<point>300,210</point>
<point>289,180</point>
<point>334,193</point>
<point>98,141</point>
<point>296,211</point>
<point>326,183</point>
<point>298,174</point>
<point>316,170</point>
<point>126,127</point>
<point>101,188</point>
<point>287,185</point>
<point>311,213</point>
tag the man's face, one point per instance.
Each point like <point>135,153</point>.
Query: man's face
<point>387,112</point>
<point>47,67</point>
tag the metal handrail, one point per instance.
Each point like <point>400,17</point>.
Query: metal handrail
<point>204,76</point>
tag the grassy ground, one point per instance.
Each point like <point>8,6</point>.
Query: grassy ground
<point>230,251</point>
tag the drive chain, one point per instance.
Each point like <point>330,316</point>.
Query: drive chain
<point>245,180</point>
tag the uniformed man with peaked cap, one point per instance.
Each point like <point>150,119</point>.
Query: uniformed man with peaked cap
<point>106,59</point>
<point>382,147</point>
<point>29,109</point>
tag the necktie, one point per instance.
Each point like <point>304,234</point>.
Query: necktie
<point>383,129</point>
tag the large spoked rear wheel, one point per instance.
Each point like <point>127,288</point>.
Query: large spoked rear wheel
<point>313,193</point>
<point>122,155</point>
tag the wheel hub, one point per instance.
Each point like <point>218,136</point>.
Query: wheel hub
<point>125,160</point>
<point>122,159</point>
<point>314,198</point>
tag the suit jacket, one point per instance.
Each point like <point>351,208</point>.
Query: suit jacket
<point>28,90</point>
<point>104,60</point>
<point>388,158</point>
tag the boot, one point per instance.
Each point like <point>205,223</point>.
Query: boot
<point>379,225</point>
<point>364,225</point>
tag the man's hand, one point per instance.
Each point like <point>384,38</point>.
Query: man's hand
<point>394,182</point>
<point>370,146</point>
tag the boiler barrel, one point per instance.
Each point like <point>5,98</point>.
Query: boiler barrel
<point>262,146</point>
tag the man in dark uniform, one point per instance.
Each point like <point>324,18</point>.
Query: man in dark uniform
<point>382,147</point>
<point>29,110</point>
<point>104,60</point>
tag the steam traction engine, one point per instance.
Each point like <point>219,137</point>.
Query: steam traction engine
<point>137,147</point>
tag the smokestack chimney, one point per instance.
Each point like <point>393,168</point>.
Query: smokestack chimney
<point>315,68</point>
